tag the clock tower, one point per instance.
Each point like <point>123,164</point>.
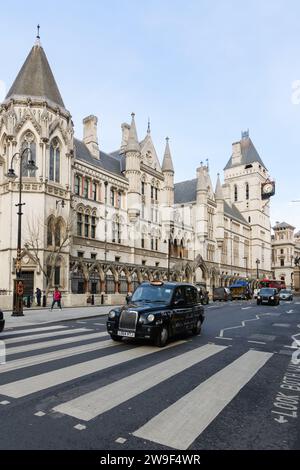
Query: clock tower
<point>248,188</point>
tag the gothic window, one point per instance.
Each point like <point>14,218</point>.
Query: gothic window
<point>29,143</point>
<point>247,191</point>
<point>54,164</point>
<point>57,276</point>
<point>112,197</point>
<point>79,224</point>
<point>86,225</point>
<point>93,227</point>
<point>95,188</point>
<point>57,234</point>
<point>77,185</point>
<point>119,199</point>
<point>50,232</point>
<point>152,192</point>
<point>86,188</point>
<point>156,194</point>
<point>143,188</point>
<point>235,193</point>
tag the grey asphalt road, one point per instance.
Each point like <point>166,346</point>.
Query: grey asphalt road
<point>236,386</point>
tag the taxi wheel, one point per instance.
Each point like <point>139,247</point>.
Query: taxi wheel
<point>116,338</point>
<point>162,337</point>
<point>197,329</point>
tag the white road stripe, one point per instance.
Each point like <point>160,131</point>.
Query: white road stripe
<point>46,335</point>
<point>245,308</point>
<point>31,330</point>
<point>53,342</point>
<point>55,355</point>
<point>22,388</point>
<point>92,404</point>
<point>181,423</point>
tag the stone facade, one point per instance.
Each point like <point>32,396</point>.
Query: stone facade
<point>100,223</point>
<point>285,250</point>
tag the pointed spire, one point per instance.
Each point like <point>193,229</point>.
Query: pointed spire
<point>167,164</point>
<point>148,128</point>
<point>133,143</point>
<point>35,79</point>
<point>38,38</point>
<point>219,191</point>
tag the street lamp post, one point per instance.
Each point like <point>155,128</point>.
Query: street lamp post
<point>18,282</point>
<point>257,263</point>
<point>169,249</point>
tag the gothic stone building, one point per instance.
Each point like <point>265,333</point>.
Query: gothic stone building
<point>100,223</point>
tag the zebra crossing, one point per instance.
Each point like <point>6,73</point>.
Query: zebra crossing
<point>176,426</point>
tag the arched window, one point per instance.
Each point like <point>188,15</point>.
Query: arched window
<point>79,223</point>
<point>235,193</point>
<point>50,227</point>
<point>57,234</point>
<point>54,164</point>
<point>247,190</point>
<point>28,142</point>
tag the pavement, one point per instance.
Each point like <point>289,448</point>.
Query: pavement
<point>45,315</point>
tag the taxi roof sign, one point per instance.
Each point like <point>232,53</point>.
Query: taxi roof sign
<point>156,283</point>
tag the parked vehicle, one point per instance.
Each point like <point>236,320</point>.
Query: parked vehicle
<point>222,293</point>
<point>286,294</point>
<point>268,295</point>
<point>203,293</point>
<point>240,290</point>
<point>157,311</point>
<point>2,321</point>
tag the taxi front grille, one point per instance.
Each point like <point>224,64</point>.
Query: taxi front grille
<point>128,320</point>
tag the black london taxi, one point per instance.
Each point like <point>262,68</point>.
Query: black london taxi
<point>268,295</point>
<point>157,311</point>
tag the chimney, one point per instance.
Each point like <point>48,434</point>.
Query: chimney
<point>125,134</point>
<point>236,153</point>
<point>90,137</point>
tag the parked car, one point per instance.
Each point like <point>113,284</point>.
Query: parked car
<point>286,294</point>
<point>222,293</point>
<point>268,295</point>
<point>2,321</point>
<point>203,293</point>
<point>157,311</point>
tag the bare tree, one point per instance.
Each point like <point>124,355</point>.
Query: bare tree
<point>51,239</point>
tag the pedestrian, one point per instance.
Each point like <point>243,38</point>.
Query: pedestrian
<point>56,298</point>
<point>38,294</point>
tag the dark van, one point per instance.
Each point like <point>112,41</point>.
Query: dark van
<point>157,311</point>
<point>222,293</point>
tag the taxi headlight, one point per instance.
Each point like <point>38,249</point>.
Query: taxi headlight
<point>258,296</point>
<point>112,314</point>
<point>150,317</point>
<point>272,298</point>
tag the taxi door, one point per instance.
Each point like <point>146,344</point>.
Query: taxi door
<point>178,310</point>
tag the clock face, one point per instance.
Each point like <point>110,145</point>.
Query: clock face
<point>268,188</point>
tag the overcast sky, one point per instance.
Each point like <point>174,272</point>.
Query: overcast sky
<point>202,70</point>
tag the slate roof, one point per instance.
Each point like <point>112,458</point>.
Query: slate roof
<point>185,191</point>
<point>283,225</point>
<point>36,79</point>
<point>232,211</point>
<point>249,154</point>
<point>113,162</point>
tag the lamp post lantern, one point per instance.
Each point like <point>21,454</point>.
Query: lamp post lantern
<point>18,282</point>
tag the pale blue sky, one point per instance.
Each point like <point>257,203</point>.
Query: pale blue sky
<point>202,70</point>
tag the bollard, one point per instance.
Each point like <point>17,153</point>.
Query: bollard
<point>44,300</point>
<point>93,300</point>
<point>28,301</point>
<point>102,299</point>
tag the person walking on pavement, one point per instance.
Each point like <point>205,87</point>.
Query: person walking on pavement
<point>38,294</point>
<point>56,298</point>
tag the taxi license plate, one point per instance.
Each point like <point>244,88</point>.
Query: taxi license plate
<point>129,334</point>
